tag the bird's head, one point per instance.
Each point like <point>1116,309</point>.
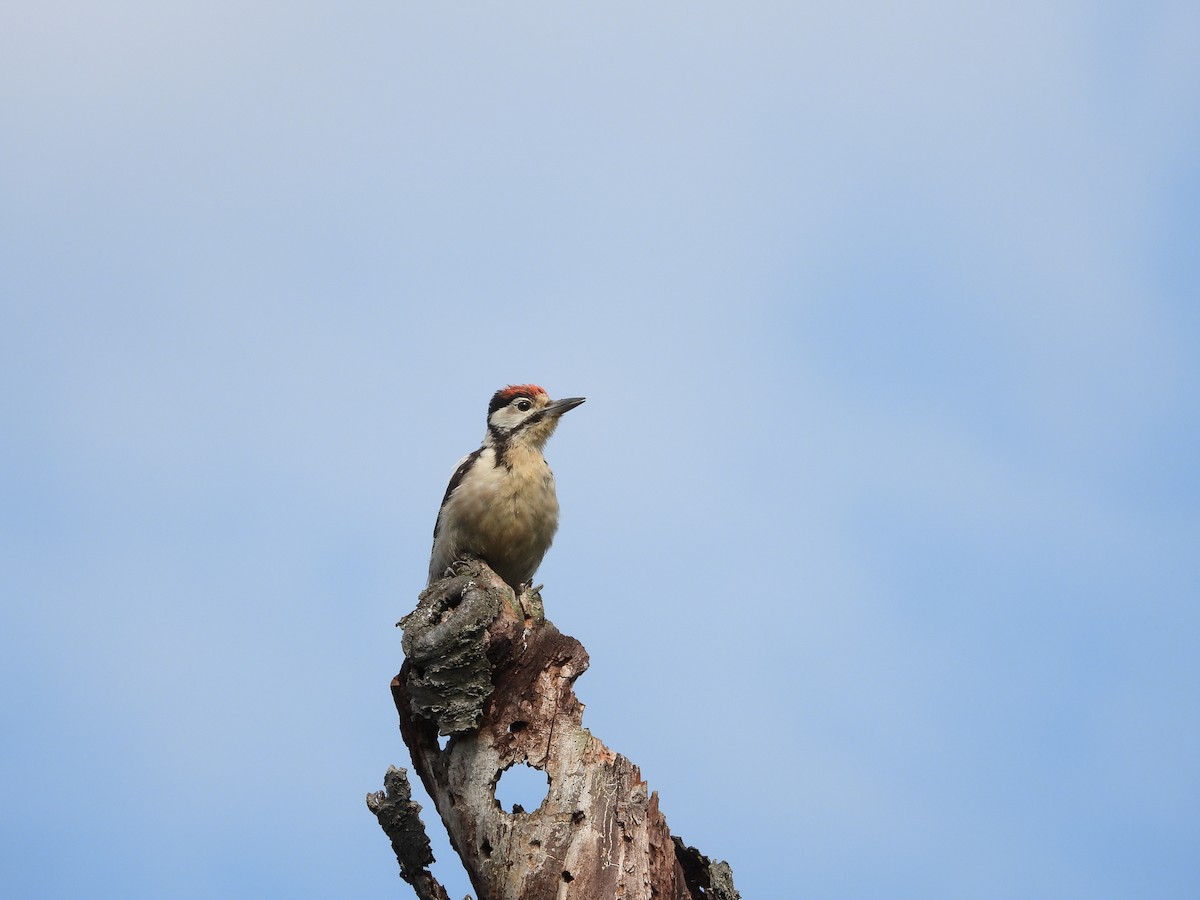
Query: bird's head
<point>524,413</point>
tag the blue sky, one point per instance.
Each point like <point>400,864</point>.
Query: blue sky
<point>881,520</point>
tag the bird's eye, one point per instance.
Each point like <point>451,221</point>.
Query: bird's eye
<point>524,405</point>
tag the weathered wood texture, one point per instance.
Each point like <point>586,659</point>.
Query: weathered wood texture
<point>400,819</point>
<point>487,669</point>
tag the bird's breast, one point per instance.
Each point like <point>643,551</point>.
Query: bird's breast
<point>510,504</point>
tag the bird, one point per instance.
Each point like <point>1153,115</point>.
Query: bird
<point>500,505</point>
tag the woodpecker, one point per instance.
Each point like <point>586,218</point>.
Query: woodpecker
<point>500,505</point>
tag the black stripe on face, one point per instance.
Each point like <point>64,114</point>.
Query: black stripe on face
<point>532,419</point>
<point>502,440</point>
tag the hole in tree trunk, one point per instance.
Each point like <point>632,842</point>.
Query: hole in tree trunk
<point>521,788</point>
<point>567,876</point>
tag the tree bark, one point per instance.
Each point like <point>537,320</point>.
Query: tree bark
<point>487,669</point>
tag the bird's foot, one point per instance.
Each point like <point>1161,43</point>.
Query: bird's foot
<point>458,566</point>
<point>530,601</point>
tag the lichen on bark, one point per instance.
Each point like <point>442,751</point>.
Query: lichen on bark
<point>445,643</point>
<point>400,818</point>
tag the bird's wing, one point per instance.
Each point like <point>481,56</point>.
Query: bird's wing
<point>455,480</point>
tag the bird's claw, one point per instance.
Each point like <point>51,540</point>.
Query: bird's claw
<point>457,567</point>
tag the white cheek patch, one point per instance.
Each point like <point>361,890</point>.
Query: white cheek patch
<point>503,419</point>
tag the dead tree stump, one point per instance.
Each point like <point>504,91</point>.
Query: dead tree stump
<point>487,669</point>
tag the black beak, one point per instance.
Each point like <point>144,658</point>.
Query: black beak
<point>557,407</point>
